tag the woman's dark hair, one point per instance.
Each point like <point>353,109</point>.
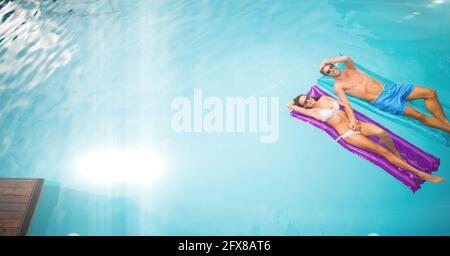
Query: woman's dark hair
<point>297,99</point>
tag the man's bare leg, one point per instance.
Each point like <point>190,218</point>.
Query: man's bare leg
<point>431,101</point>
<point>427,120</point>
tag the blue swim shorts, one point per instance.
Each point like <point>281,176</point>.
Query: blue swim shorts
<point>393,97</point>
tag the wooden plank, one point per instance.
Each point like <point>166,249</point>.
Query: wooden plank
<point>10,223</point>
<point>14,199</point>
<point>18,201</point>
<point>10,183</point>
<point>13,207</point>
<point>12,214</point>
<point>38,185</point>
<point>9,231</point>
<point>16,191</point>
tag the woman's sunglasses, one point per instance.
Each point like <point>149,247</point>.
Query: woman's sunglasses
<point>307,100</point>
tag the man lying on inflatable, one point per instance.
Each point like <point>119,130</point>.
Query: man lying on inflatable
<point>390,97</point>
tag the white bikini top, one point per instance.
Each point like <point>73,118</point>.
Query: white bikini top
<point>326,114</point>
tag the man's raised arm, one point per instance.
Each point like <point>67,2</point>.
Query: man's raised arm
<point>347,61</point>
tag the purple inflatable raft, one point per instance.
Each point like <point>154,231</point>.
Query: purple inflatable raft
<point>415,156</point>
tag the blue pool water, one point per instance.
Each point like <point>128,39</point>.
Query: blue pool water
<point>86,89</point>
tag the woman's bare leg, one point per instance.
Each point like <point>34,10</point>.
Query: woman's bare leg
<point>368,129</point>
<point>363,142</point>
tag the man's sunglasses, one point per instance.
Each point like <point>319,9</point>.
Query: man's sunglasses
<point>331,67</point>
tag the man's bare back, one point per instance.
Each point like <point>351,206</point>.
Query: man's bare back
<point>358,84</point>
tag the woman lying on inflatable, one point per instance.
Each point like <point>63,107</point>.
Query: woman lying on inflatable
<point>327,109</point>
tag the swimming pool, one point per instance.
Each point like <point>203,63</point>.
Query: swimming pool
<point>86,89</point>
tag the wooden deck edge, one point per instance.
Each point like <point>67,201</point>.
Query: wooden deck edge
<point>37,189</point>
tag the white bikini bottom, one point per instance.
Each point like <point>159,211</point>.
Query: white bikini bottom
<point>347,134</point>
